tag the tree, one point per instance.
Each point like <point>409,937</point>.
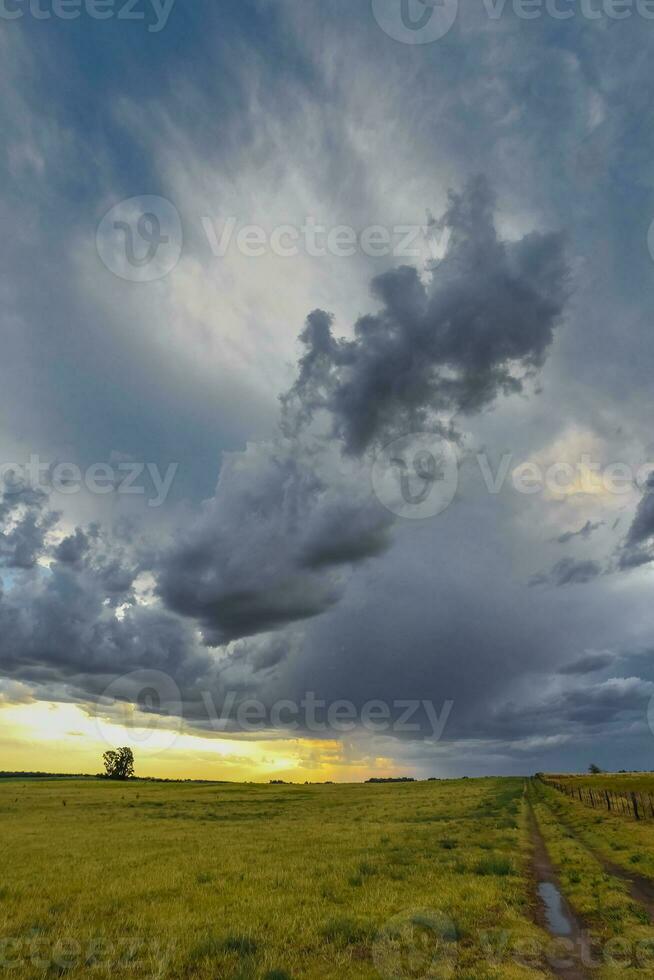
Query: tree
<point>119,763</point>
<point>594,770</point>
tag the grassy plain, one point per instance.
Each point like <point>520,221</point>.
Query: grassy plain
<point>252,882</point>
<point>618,782</point>
<point>618,932</point>
<point>616,838</point>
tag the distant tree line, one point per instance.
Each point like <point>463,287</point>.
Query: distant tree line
<point>391,779</point>
<point>44,775</point>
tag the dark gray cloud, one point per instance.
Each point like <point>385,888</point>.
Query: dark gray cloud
<point>291,519</point>
<point>638,547</point>
<point>25,521</point>
<point>634,558</point>
<point>569,571</point>
<point>592,707</point>
<point>642,528</point>
<point>73,548</point>
<point>589,663</point>
<point>57,626</point>
<point>584,532</point>
<point>483,320</point>
<point>263,553</point>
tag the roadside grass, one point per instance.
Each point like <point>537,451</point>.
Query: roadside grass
<point>623,841</point>
<point>619,936</point>
<point>251,882</point>
<point>619,782</point>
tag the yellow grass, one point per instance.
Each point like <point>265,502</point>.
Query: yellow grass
<point>248,881</point>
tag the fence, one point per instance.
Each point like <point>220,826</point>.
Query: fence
<point>640,806</point>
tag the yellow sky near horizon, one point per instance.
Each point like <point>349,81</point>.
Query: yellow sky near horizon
<point>62,737</point>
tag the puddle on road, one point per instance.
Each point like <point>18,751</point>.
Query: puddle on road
<point>557,920</point>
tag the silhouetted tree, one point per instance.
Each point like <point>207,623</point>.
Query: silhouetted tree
<point>119,763</point>
<point>593,769</point>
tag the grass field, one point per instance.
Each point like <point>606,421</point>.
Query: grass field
<point>249,881</point>
<point>619,782</point>
<point>579,841</point>
<point>621,840</point>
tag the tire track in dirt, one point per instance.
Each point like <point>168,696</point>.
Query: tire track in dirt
<point>561,923</point>
<point>641,888</point>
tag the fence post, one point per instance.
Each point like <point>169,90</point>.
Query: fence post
<point>608,800</point>
<point>635,803</point>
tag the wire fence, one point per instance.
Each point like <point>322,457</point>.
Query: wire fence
<point>637,805</point>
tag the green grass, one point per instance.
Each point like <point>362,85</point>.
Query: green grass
<point>618,839</point>
<point>616,925</point>
<point>496,865</point>
<point>619,782</point>
<point>252,881</point>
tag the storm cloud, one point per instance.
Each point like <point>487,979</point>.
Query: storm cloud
<point>638,547</point>
<point>287,516</point>
<point>449,342</point>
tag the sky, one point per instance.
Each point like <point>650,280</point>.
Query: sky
<point>325,396</point>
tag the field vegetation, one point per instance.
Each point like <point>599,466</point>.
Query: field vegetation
<point>253,882</point>
<point>183,880</point>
